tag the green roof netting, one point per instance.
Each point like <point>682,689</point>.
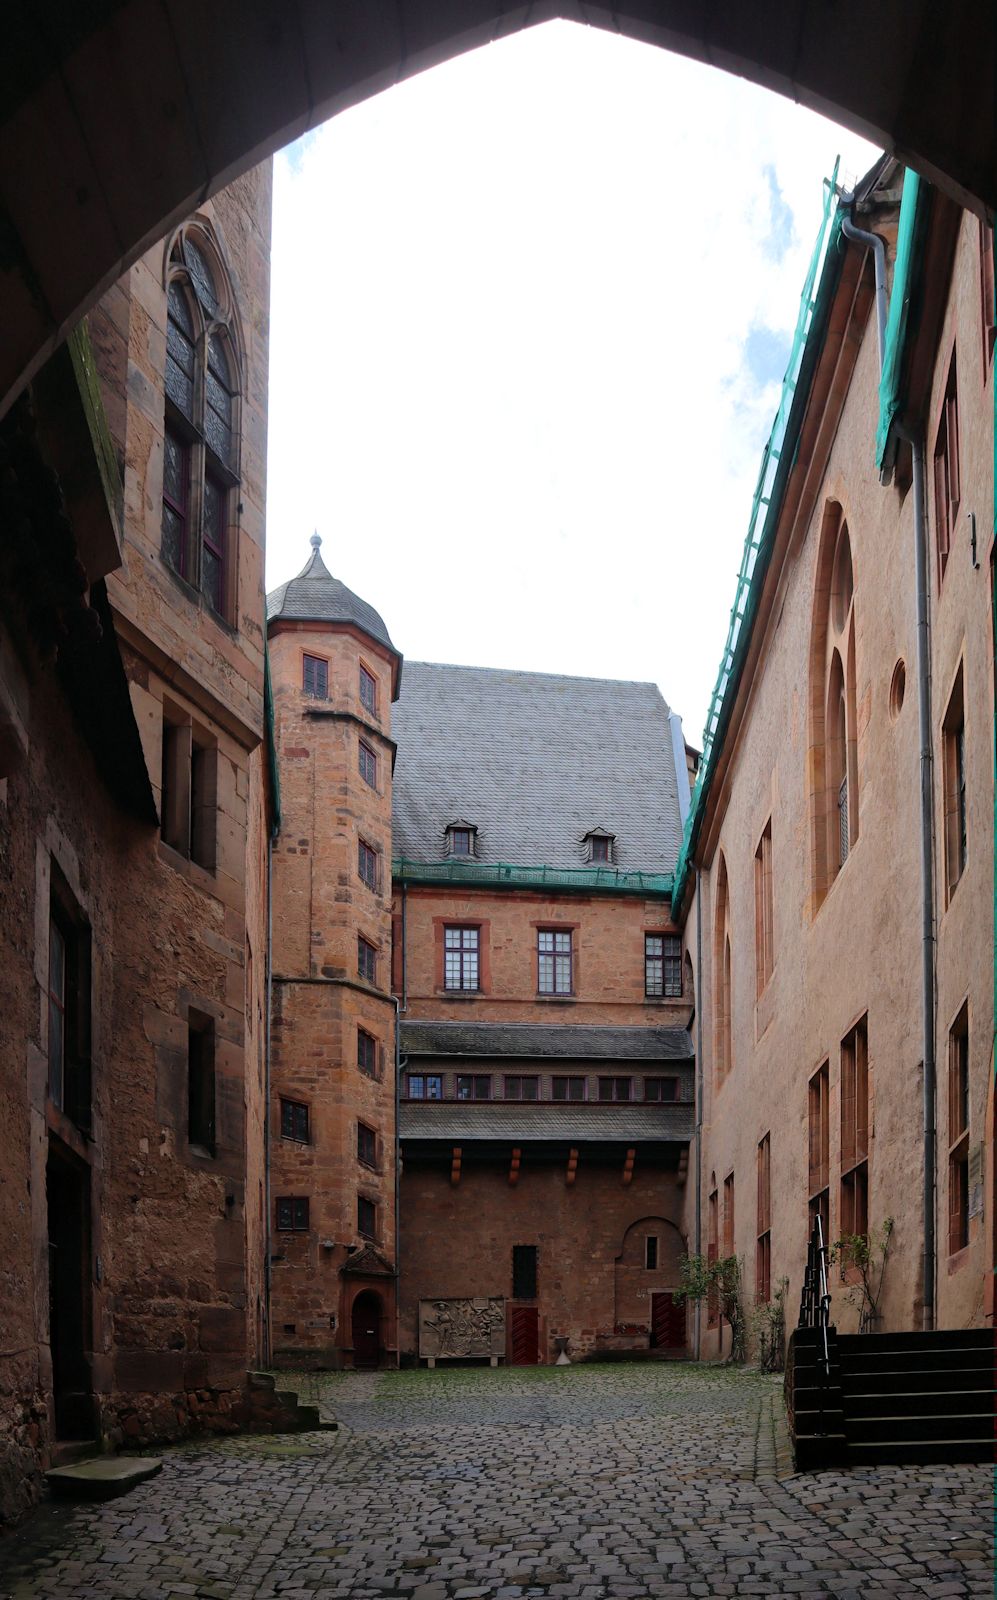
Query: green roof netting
<point>901,296</point>
<point>777,459</point>
<point>506,876</point>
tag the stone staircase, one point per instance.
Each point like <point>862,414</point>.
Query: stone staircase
<point>891,1397</point>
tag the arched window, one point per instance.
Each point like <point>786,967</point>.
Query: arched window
<point>833,765</point>
<point>201,435</point>
<point>722,1018</point>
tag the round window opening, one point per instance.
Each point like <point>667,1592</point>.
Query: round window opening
<point>898,688</point>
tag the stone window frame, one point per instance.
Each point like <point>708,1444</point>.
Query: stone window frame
<point>856,1127</point>
<point>819,1147</point>
<point>764,911</point>
<point>367,1217</point>
<point>295,1106</point>
<point>369,865</point>
<point>188,793</point>
<point>554,956</point>
<point>367,956</point>
<point>959,1119</point>
<point>368,688</point>
<point>292,1213</point>
<point>316,667</point>
<point>214,327</point>
<point>367,1147</point>
<point>69,1040</point>
<point>569,1078</point>
<point>946,469</point>
<point>367,764</point>
<point>370,1053</point>
<point>611,1083</point>
<point>955,832</point>
<point>723,1000</point>
<point>763,1221</point>
<point>659,1080</point>
<point>833,776</point>
<point>519,1078</point>
<point>659,964</point>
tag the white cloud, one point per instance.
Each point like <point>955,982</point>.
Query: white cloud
<point>509,383</point>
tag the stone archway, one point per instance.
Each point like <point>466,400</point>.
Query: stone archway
<point>119,118</point>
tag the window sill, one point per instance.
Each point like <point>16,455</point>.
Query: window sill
<point>202,877</point>
<point>958,1259</point>
<point>461,994</point>
<point>558,999</point>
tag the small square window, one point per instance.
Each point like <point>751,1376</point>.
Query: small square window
<point>367,1053</point>
<point>661,1089</point>
<point>651,1253</point>
<point>517,1088</point>
<point>366,959</point>
<point>292,1214</point>
<point>567,1088</point>
<point>369,865</point>
<point>294,1121</point>
<point>368,691</point>
<point>315,677</point>
<point>366,1145</point>
<point>368,765</point>
<point>424,1086</point>
<point>366,1218</point>
<point>474,1086</point>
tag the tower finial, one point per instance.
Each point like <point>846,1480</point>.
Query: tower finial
<point>315,540</point>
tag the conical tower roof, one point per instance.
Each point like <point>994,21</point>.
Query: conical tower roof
<point>316,596</point>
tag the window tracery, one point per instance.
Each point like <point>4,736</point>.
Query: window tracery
<point>201,425</point>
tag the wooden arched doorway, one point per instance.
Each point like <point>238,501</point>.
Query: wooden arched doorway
<point>366,1329</point>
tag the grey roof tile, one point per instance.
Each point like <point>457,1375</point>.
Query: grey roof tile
<point>316,596</point>
<point>522,1124</point>
<point>541,1041</point>
<point>534,762</point>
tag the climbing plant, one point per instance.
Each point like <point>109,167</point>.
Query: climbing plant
<point>768,1323</point>
<point>866,1254</point>
<point>702,1279</point>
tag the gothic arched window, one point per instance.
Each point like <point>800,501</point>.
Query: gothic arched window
<point>833,717</point>
<point>722,1008</point>
<point>200,434</point>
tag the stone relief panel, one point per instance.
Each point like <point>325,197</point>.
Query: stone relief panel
<point>473,1327</point>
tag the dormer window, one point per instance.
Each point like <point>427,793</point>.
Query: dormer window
<point>600,847</point>
<point>461,838</point>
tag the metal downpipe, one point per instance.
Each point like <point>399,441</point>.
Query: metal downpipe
<point>878,248</point>
<point>916,441</point>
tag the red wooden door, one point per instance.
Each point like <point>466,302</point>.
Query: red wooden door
<point>524,1336</point>
<point>667,1323</point>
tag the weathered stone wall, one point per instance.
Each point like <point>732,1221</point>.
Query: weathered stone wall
<point>857,951</point>
<point>457,1241</point>
<point>608,950</point>
<point>320,1000</point>
<point>173,1268</point>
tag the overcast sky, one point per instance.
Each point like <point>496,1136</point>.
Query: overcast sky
<point>530,315</point>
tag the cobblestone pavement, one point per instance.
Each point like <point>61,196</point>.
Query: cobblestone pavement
<point>588,1483</point>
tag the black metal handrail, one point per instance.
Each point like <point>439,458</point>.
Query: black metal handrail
<point>815,1301</point>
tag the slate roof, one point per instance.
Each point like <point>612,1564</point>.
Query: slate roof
<point>316,596</point>
<point>540,1041</point>
<point>534,762</point>
<point>460,1122</point>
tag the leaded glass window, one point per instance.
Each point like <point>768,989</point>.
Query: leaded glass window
<point>460,958</point>
<point>553,962</point>
<point>200,451</point>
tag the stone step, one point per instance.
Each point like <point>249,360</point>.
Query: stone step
<point>102,1479</point>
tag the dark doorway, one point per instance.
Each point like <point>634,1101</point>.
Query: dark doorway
<point>68,1192</point>
<point>524,1336</point>
<point>366,1330</point>
<point>667,1323</point>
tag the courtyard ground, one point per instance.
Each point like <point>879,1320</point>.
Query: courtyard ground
<point>586,1483</point>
